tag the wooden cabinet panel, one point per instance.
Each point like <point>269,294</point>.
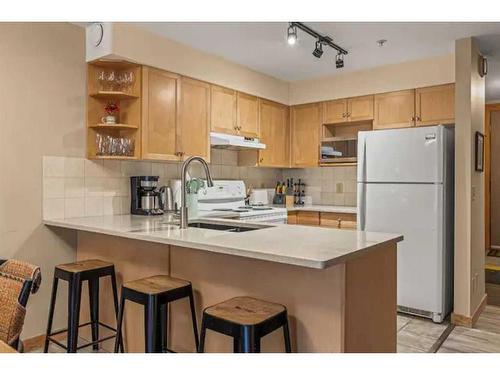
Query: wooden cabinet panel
<point>435,105</point>
<point>292,218</point>
<point>348,224</point>
<point>223,110</point>
<point>394,110</point>
<point>194,118</point>
<point>159,114</point>
<point>308,218</point>
<point>247,115</point>
<point>337,220</point>
<point>335,111</point>
<point>360,108</point>
<point>306,121</point>
<point>275,134</point>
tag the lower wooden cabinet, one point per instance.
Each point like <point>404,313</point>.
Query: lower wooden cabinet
<point>337,220</point>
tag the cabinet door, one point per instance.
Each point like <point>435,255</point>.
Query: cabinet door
<point>360,108</point>
<point>194,118</point>
<point>394,110</point>
<point>306,120</point>
<point>292,218</point>
<point>335,219</point>
<point>308,218</point>
<point>348,224</point>
<point>159,114</point>
<point>247,108</point>
<point>274,133</point>
<point>223,110</point>
<point>435,105</point>
<point>335,111</point>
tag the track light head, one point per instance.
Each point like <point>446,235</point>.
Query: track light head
<point>291,35</point>
<point>318,51</point>
<point>339,61</point>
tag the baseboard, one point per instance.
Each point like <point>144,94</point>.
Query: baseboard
<point>33,344</point>
<point>469,321</point>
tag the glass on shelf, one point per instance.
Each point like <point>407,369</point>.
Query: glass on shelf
<point>116,81</point>
<point>107,145</point>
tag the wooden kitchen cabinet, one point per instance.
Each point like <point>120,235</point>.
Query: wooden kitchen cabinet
<point>160,91</point>
<point>308,218</point>
<point>435,105</point>
<point>335,111</point>
<point>247,115</point>
<point>193,130</point>
<point>305,128</point>
<point>223,110</point>
<point>394,110</point>
<point>338,220</point>
<point>360,108</point>
<point>275,134</point>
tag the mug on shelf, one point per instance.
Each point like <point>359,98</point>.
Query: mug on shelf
<point>111,120</point>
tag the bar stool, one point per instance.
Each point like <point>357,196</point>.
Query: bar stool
<point>155,293</point>
<point>246,320</point>
<point>75,273</point>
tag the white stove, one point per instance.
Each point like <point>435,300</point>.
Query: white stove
<point>228,196</point>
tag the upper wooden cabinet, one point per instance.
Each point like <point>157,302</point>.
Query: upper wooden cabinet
<point>159,114</point>
<point>435,105</point>
<point>223,110</point>
<point>193,130</point>
<point>347,110</point>
<point>335,111</point>
<point>305,127</point>
<point>360,108</point>
<point>247,115</point>
<point>275,133</point>
<point>394,110</point>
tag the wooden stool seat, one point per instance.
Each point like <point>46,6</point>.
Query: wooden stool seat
<point>246,320</point>
<point>245,310</point>
<point>84,265</point>
<point>156,284</point>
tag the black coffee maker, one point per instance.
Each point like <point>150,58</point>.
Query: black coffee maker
<point>145,197</point>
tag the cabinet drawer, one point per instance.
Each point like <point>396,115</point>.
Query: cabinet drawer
<point>337,219</point>
<point>292,218</point>
<point>308,218</point>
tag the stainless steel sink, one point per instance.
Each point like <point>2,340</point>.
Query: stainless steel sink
<point>225,227</point>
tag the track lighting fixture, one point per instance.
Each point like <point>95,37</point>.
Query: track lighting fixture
<point>318,51</point>
<point>339,61</point>
<point>320,41</point>
<point>291,35</point>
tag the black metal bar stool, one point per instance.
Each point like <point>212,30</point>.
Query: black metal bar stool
<point>90,270</point>
<point>246,320</point>
<point>155,293</point>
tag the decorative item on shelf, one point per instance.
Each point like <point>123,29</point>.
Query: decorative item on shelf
<point>107,80</point>
<point>111,109</point>
<point>107,145</point>
<point>125,80</point>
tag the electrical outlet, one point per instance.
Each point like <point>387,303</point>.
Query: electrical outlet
<point>473,193</point>
<point>339,187</point>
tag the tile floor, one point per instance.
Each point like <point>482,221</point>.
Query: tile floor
<point>417,335</point>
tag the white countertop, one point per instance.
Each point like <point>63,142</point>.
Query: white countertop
<point>312,247</point>
<point>324,208</point>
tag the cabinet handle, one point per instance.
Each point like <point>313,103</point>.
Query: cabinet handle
<point>343,114</point>
<point>348,114</point>
<point>261,160</point>
<point>339,223</point>
<point>417,118</point>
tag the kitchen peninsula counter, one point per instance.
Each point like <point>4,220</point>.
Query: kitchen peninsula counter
<point>339,286</point>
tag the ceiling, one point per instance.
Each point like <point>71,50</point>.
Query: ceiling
<point>262,46</point>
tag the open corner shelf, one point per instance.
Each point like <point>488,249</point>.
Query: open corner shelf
<point>114,126</point>
<point>113,95</point>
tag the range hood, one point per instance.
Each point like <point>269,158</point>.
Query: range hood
<point>237,142</point>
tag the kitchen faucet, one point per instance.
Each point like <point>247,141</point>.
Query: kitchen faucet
<point>184,170</point>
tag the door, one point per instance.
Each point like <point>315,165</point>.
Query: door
<point>401,155</point>
<point>360,108</point>
<point>435,105</point>
<point>247,107</point>
<point>394,110</point>
<point>223,110</point>
<point>335,111</point>
<point>159,114</point>
<point>306,122</point>
<point>274,133</point>
<point>413,210</point>
<point>194,119</point>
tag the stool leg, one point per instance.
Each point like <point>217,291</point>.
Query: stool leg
<point>150,319</point>
<point>162,332</point>
<point>249,343</point>
<point>51,314</point>
<point>94,310</point>
<point>119,322</point>
<point>115,301</point>
<point>75,291</point>
<point>201,347</point>
<point>236,345</point>
<point>286,333</point>
<point>193,317</point>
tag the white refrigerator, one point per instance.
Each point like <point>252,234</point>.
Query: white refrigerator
<point>406,185</point>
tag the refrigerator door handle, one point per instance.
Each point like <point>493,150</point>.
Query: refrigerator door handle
<point>362,184</point>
